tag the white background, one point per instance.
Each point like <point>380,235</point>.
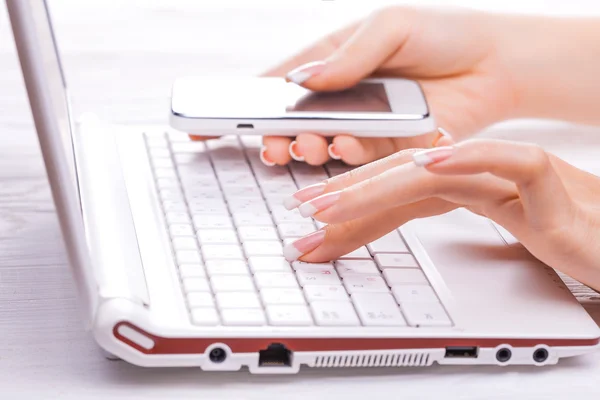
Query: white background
<point>121,57</point>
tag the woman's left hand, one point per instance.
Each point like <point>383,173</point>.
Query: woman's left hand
<point>551,207</point>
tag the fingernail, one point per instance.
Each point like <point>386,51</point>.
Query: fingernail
<point>441,133</point>
<point>332,153</point>
<point>431,156</point>
<point>319,204</point>
<point>292,148</point>
<point>304,194</point>
<point>297,249</point>
<point>264,158</point>
<point>306,71</point>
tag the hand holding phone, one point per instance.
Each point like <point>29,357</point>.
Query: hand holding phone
<point>266,106</point>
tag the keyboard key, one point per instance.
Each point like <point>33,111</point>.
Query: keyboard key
<point>295,230</point>
<point>318,277</point>
<point>226,267</point>
<point>232,283</point>
<point>248,207</point>
<point>158,152</point>
<point>377,309</point>
<point>248,233</point>
<point>162,163</point>
<point>222,252</point>
<point>181,230</point>
<point>278,189</point>
<point>243,317</point>
<point>269,264</point>
<point>173,194</point>
<point>174,205</point>
<point>205,316</point>
<point>390,243</point>
<point>263,248</point>
<point>275,280</point>
<point>252,219</point>
<point>282,216</point>
<point>164,183</point>
<point>402,276</point>
<point>364,267</point>
<point>195,285</point>
<point>241,191</point>
<point>200,299</point>
<point>364,283</point>
<point>325,292</point>
<point>396,261</point>
<point>165,173</point>
<point>199,207</point>
<point>414,294</point>
<point>184,243</point>
<point>188,257</point>
<point>277,296</point>
<point>288,315</point>
<point>192,271</point>
<point>217,236</point>
<point>305,266</point>
<point>360,253</point>
<point>425,314</point>
<point>237,300</point>
<point>212,222</point>
<point>334,313</point>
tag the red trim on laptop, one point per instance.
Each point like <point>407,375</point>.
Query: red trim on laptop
<point>165,345</point>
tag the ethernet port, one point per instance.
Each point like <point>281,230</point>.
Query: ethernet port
<point>275,355</point>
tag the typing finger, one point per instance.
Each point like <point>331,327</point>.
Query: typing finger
<point>401,185</point>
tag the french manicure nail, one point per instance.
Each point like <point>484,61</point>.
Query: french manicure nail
<point>264,158</point>
<point>319,204</point>
<point>431,156</point>
<point>332,153</point>
<point>441,133</point>
<point>306,71</point>
<point>292,148</point>
<point>304,194</point>
<point>297,249</point>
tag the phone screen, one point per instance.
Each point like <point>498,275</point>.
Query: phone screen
<point>364,97</point>
<point>276,98</point>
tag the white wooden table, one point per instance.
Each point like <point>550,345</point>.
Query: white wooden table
<point>120,61</point>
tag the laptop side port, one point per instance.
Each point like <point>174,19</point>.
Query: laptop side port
<point>462,352</point>
<point>275,355</point>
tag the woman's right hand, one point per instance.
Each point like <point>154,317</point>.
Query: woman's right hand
<point>454,55</point>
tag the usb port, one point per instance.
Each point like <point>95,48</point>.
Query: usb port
<point>245,126</point>
<point>461,352</point>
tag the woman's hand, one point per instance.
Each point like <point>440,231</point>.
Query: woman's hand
<point>549,205</point>
<point>453,55</point>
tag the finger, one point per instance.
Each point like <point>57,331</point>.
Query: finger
<point>317,51</point>
<point>357,57</point>
<point>402,185</point>
<point>541,190</point>
<point>202,138</point>
<point>275,150</point>
<point>358,151</point>
<point>310,148</point>
<point>336,240</point>
<point>349,178</point>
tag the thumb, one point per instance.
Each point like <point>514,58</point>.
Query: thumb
<point>365,51</point>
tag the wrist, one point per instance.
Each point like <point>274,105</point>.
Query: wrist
<point>551,66</point>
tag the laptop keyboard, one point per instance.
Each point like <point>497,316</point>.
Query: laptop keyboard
<point>227,225</point>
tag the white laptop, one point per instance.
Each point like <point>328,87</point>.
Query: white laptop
<point>176,249</point>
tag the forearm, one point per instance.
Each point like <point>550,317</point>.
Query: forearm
<point>554,65</point>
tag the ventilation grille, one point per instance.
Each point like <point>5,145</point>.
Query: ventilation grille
<point>374,360</point>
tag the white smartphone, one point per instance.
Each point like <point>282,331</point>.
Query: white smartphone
<point>271,106</point>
